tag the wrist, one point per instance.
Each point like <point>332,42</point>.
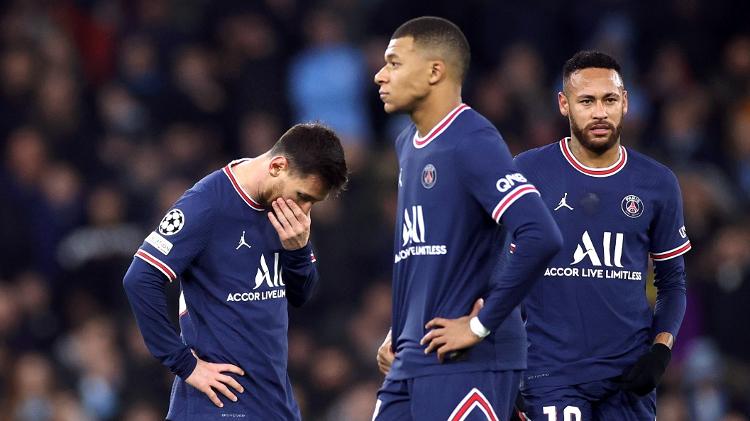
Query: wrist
<point>477,328</point>
<point>662,353</point>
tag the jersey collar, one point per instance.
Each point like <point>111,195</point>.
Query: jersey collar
<point>238,188</point>
<point>593,172</point>
<point>421,142</point>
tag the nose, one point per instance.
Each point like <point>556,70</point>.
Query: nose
<point>600,112</point>
<point>379,78</point>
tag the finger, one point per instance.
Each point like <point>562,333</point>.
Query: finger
<point>383,369</point>
<point>436,322</point>
<point>298,213</point>
<point>213,397</point>
<point>441,353</point>
<point>477,306</point>
<point>277,225</point>
<point>281,217</point>
<point>221,387</point>
<point>296,225</point>
<point>230,368</point>
<point>288,213</point>
<point>428,337</point>
<point>434,344</point>
<point>232,382</point>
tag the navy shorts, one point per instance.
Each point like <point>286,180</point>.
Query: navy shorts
<point>476,396</point>
<point>593,401</point>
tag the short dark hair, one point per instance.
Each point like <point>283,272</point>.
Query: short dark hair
<point>314,149</point>
<point>586,60</point>
<point>435,32</point>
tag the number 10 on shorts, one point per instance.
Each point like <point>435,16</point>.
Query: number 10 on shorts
<point>570,413</point>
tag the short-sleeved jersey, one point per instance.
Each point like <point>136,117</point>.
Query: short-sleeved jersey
<point>233,306</point>
<point>454,186</point>
<point>588,317</point>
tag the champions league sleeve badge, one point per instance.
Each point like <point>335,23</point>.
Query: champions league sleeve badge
<point>172,222</point>
<point>429,176</point>
<point>631,206</point>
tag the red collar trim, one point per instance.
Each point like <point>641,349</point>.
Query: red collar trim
<point>421,142</point>
<point>238,188</point>
<point>593,172</point>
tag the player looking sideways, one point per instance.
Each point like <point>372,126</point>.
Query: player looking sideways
<point>597,350</point>
<point>459,197</point>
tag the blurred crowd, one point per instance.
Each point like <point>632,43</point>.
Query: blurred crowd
<point>110,109</point>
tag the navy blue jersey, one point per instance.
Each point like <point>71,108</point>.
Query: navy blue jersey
<point>455,185</point>
<point>588,317</point>
<point>233,303</point>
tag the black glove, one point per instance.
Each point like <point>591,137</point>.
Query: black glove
<point>644,376</point>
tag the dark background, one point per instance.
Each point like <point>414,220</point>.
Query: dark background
<point>110,109</point>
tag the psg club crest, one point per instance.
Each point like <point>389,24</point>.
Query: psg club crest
<point>429,176</point>
<point>632,206</point>
<point>172,222</point>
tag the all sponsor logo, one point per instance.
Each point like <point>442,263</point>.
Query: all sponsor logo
<point>413,235</point>
<point>268,276</point>
<point>601,260</point>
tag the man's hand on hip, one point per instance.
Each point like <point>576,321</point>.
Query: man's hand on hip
<point>209,378</point>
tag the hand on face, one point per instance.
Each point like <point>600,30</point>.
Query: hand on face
<point>291,223</point>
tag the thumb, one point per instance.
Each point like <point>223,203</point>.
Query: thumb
<point>478,304</point>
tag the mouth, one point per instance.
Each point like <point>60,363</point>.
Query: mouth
<point>600,129</point>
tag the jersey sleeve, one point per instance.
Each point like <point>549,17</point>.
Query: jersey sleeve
<point>486,167</point>
<point>181,234</point>
<point>669,238</point>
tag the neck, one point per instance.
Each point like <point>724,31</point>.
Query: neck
<point>594,159</point>
<point>250,176</point>
<point>433,109</point>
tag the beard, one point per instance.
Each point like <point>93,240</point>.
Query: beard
<point>588,141</point>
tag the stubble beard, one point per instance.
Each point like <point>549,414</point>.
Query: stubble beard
<point>587,141</point>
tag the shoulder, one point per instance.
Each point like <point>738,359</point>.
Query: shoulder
<point>538,155</point>
<point>474,133</point>
<point>646,165</point>
<point>203,194</point>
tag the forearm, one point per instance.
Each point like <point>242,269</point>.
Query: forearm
<point>144,287</point>
<point>300,275</point>
<point>537,240</point>
<point>671,300</point>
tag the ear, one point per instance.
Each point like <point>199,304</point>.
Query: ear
<point>437,71</point>
<point>624,102</point>
<point>562,103</point>
<point>277,165</point>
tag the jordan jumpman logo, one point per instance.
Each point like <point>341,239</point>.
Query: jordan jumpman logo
<point>242,242</point>
<point>563,203</point>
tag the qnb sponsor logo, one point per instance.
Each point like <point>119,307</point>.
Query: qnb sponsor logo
<point>605,263</point>
<point>263,277</point>
<point>504,184</point>
<point>413,234</point>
